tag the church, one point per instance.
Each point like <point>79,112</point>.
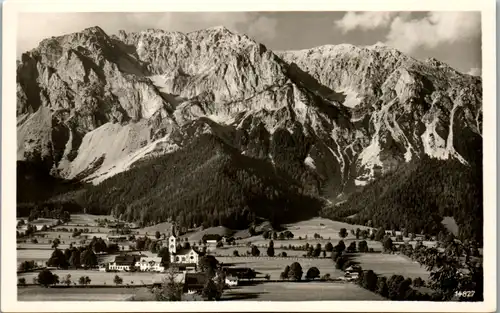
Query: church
<point>183,259</point>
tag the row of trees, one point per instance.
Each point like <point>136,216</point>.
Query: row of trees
<point>46,278</point>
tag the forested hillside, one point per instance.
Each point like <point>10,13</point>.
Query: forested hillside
<point>416,196</point>
<point>207,182</point>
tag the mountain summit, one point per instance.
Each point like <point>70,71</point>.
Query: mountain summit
<point>334,118</point>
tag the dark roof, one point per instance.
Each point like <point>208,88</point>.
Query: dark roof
<point>185,251</point>
<point>211,237</point>
<point>195,280</point>
<point>126,259</point>
<point>183,264</point>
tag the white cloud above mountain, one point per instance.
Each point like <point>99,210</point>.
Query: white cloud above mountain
<point>408,33</point>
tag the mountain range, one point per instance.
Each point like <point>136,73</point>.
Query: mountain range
<point>213,127</point>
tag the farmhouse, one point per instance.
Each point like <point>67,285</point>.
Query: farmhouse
<point>231,281</point>
<point>150,264</point>
<point>116,238</point>
<point>123,262</point>
<point>194,282</point>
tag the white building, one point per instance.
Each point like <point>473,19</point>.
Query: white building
<point>123,262</point>
<point>182,256</point>
<point>150,264</point>
<point>231,281</point>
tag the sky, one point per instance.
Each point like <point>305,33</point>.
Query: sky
<point>451,37</point>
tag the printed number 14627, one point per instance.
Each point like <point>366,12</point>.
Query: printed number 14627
<point>465,294</point>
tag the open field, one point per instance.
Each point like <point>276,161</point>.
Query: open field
<point>323,226</point>
<point>274,266</point>
<point>272,291</point>
<point>390,264</point>
<point>87,219</point>
<point>103,278</point>
<point>33,293</point>
<point>301,291</point>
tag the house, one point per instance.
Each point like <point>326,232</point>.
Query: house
<point>188,257</point>
<point>231,281</point>
<point>123,262</point>
<point>150,264</point>
<point>211,238</point>
<point>351,273</point>
<point>194,282</point>
<point>116,238</point>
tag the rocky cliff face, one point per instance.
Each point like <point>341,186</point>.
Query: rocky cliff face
<point>90,105</point>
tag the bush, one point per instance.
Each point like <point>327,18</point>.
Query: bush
<point>21,281</point>
<point>312,273</point>
<point>47,278</point>
<point>236,253</point>
<point>295,271</point>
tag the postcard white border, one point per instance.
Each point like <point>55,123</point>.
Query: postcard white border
<point>8,249</point>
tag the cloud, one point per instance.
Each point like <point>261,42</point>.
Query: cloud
<point>432,30</point>
<point>263,28</point>
<point>34,27</point>
<point>365,20</point>
<point>475,71</point>
<point>408,33</point>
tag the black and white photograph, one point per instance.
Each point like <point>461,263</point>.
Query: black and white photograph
<point>249,156</point>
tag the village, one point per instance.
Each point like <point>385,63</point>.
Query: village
<point>125,261</point>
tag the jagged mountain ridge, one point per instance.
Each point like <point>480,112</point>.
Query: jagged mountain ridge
<point>91,105</point>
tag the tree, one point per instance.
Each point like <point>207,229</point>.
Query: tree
<point>270,249</point>
<point>382,288</point>
<point>312,273</point>
<point>281,236</point>
<point>394,286</point>
<point>88,258</point>
<point>67,280</point>
<point>210,291</point>
<point>164,254</point>
<point>317,250</point>
<point>57,259</point>
<point>55,243</point>
<point>363,246</point>
<point>171,289</point>
<point>47,278</point>
<point>286,272</point>
<point>118,280</point>
<point>275,235</point>
<point>387,243</point>
<point>208,264</point>
<point>74,260</point>
<point>370,280</point>
<point>266,234</point>
<point>153,247</point>
<point>352,247</point>
<point>329,247</point>
<point>21,281</point>
<point>295,271</point>
<point>357,233</point>
<point>418,282</point>
<point>157,235</point>
<point>380,234</point>
<point>26,266</point>
<point>343,233</point>
<point>84,280</point>
<point>236,253</point>
<point>255,251</point>
<point>340,247</point>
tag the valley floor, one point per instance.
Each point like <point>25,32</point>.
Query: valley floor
<point>253,291</point>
